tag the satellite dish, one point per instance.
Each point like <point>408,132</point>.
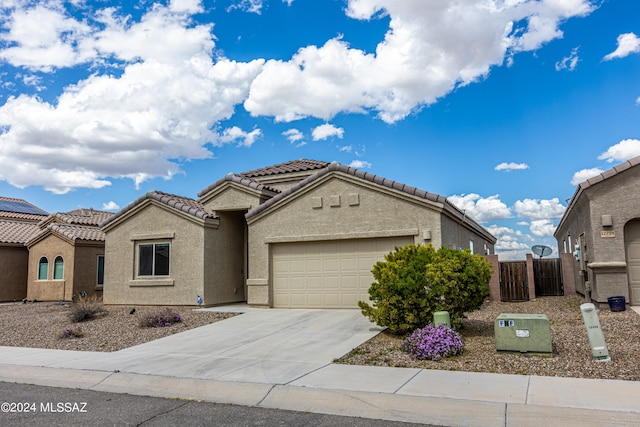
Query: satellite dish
<point>541,250</point>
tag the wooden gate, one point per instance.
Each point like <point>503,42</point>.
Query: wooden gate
<point>547,275</point>
<point>514,285</point>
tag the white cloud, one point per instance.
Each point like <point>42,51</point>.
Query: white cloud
<point>251,6</point>
<point>360,164</point>
<point>110,206</point>
<point>345,148</point>
<point>326,131</point>
<point>428,51</point>
<point>244,139</point>
<point>510,243</point>
<point>511,166</point>
<point>482,209</point>
<point>140,124</point>
<point>568,62</point>
<point>43,38</point>
<point>293,135</point>
<point>584,174</point>
<point>542,228</point>
<point>288,2</point>
<point>536,209</point>
<point>622,151</point>
<point>627,44</point>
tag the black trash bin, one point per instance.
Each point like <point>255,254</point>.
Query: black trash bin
<point>617,303</point>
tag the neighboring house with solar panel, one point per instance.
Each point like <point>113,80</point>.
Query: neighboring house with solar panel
<point>303,233</point>
<point>18,223</point>
<point>66,256</point>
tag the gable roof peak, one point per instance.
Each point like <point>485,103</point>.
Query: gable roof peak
<point>180,203</point>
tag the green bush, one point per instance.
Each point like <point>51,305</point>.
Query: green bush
<point>416,281</point>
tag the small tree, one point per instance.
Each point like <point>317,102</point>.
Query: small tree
<point>416,281</point>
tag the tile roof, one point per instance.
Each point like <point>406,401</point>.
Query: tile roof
<point>594,180</point>
<point>32,215</point>
<point>77,232</point>
<point>247,182</point>
<point>17,232</point>
<point>301,165</point>
<point>335,166</point>
<point>609,173</point>
<point>80,217</point>
<point>184,204</point>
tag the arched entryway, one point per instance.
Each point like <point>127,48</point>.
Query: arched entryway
<point>632,253</point>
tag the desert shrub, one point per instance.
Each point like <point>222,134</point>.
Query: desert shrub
<point>72,333</point>
<point>416,281</point>
<point>161,318</point>
<point>433,343</point>
<point>86,308</point>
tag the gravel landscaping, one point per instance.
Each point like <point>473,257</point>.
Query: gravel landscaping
<point>571,349</point>
<point>42,325</point>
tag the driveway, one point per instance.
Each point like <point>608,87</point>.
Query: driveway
<point>268,346</point>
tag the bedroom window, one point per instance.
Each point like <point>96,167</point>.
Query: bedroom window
<point>43,268</point>
<point>58,268</point>
<point>154,259</point>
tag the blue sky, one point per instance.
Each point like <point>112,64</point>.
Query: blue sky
<point>503,106</point>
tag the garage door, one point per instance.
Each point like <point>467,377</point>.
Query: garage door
<point>327,274</point>
<point>632,247</point>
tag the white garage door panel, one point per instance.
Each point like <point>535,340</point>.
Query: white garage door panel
<point>632,248</point>
<point>334,274</point>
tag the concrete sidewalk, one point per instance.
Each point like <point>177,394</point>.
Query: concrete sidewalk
<point>282,359</point>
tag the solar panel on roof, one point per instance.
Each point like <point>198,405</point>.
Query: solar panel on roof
<point>20,207</point>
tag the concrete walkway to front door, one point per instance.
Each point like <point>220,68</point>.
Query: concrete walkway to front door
<point>268,346</point>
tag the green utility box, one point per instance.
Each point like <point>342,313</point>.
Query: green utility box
<point>523,333</point>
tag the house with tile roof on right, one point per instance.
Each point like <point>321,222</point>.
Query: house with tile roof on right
<point>601,228</point>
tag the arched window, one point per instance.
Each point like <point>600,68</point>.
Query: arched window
<point>43,268</point>
<point>58,268</point>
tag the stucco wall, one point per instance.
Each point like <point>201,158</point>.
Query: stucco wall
<point>51,290</point>
<point>224,260</point>
<point>85,275</point>
<point>230,196</point>
<point>14,262</point>
<point>457,236</point>
<point>153,223</point>
<point>335,207</point>
<point>576,224</point>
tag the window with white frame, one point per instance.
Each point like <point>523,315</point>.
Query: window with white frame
<point>153,259</point>
<point>58,268</point>
<point>100,275</point>
<point>43,268</point>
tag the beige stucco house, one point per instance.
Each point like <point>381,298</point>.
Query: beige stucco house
<point>18,223</point>
<point>601,227</point>
<point>166,249</point>
<point>66,256</point>
<point>303,233</point>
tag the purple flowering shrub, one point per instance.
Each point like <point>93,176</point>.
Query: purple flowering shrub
<point>72,333</point>
<point>433,343</point>
<point>162,318</point>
